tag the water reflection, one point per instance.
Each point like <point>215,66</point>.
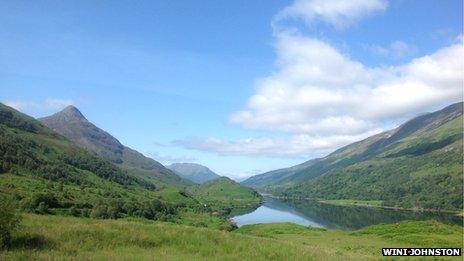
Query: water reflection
<point>311,213</point>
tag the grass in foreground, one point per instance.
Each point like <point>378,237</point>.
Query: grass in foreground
<point>57,237</point>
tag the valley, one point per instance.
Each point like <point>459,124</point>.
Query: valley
<point>307,130</point>
<point>71,190</point>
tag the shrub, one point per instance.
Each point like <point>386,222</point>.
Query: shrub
<point>42,208</point>
<point>99,211</point>
<point>9,221</point>
<point>86,212</point>
<point>227,226</point>
<point>40,203</point>
<point>74,211</point>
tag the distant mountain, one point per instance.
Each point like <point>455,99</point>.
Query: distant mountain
<point>193,172</point>
<point>225,193</point>
<point>417,165</point>
<point>72,124</point>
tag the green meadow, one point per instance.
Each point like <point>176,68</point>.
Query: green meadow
<point>48,237</point>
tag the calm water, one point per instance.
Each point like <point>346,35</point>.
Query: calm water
<point>315,214</point>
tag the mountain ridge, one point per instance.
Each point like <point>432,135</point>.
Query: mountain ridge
<point>427,138</point>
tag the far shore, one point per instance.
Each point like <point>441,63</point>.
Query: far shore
<point>366,204</point>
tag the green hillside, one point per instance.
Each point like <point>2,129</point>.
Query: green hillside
<point>44,237</point>
<point>417,165</point>
<point>225,193</point>
<point>277,178</point>
<point>73,125</point>
<point>30,147</point>
<point>43,172</point>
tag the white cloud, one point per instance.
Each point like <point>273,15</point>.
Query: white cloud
<point>243,175</point>
<point>322,99</point>
<point>15,104</point>
<point>166,159</point>
<point>397,49</point>
<point>401,49</point>
<point>317,89</point>
<point>338,13</point>
<point>294,146</point>
<point>50,104</point>
<point>58,103</point>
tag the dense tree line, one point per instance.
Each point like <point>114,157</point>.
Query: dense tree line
<point>10,119</point>
<point>426,147</point>
<point>83,160</point>
<point>150,209</point>
<point>19,153</point>
<point>102,208</point>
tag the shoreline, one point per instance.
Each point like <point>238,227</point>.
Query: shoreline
<point>326,201</point>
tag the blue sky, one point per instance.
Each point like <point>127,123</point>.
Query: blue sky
<point>240,86</point>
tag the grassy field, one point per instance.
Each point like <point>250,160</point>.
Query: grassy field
<point>58,237</point>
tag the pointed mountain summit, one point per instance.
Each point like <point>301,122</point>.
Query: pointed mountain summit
<point>71,123</point>
<point>71,112</point>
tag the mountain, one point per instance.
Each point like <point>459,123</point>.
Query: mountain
<point>72,124</point>
<point>194,172</point>
<point>38,165</point>
<point>225,193</point>
<point>417,165</point>
<point>279,177</point>
<point>26,145</point>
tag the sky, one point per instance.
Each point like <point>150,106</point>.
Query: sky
<point>243,87</point>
